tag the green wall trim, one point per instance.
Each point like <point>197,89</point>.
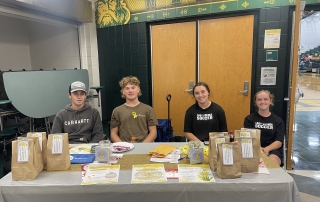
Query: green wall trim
<point>183,9</point>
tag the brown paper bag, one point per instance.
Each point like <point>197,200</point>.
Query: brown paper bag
<point>254,133</point>
<point>58,155</point>
<point>43,144</point>
<point>31,168</point>
<point>250,154</point>
<point>217,134</point>
<point>214,139</point>
<point>228,168</point>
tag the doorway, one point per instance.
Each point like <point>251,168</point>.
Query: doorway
<point>216,51</point>
<point>306,136</point>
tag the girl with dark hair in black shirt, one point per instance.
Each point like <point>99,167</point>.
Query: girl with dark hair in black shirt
<point>204,116</point>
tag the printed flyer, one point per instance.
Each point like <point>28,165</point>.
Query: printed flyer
<point>195,173</point>
<point>148,173</point>
<point>101,174</point>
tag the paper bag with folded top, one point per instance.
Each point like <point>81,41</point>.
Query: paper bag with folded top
<point>247,133</point>
<point>228,161</point>
<point>218,134</point>
<point>43,144</point>
<point>58,155</point>
<point>250,154</point>
<point>243,133</point>
<point>162,150</point>
<point>214,139</point>
<point>27,160</point>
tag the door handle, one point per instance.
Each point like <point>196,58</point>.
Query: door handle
<point>190,91</point>
<point>191,85</point>
<point>245,90</point>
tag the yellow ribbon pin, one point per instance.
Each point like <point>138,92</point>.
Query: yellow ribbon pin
<point>134,115</point>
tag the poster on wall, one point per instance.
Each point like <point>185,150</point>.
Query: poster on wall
<point>272,38</point>
<point>268,76</point>
<point>271,55</point>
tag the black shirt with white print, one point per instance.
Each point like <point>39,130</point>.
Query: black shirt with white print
<point>272,127</point>
<point>201,122</point>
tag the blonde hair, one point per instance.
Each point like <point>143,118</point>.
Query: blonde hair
<point>129,80</point>
<point>271,96</point>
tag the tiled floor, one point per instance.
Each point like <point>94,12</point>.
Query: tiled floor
<point>306,142</point>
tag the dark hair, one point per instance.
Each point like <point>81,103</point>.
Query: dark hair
<point>201,84</point>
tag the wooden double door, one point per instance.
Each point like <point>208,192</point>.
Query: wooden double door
<point>217,51</point>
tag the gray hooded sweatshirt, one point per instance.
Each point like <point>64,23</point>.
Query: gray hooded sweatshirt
<point>83,126</point>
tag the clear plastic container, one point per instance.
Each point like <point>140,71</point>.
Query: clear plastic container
<point>195,152</point>
<point>103,151</point>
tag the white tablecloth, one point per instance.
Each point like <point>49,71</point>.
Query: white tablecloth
<point>65,186</point>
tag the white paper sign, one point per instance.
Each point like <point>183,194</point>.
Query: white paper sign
<point>253,131</point>
<point>23,151</point>
<point>174,158</point>
<point>57,145</point>
<point>227,154</point>
<point>272,38</point>
<point>38,135</point>
<point>268,76</point>
<point>247,149</point>
<point>244,133</point>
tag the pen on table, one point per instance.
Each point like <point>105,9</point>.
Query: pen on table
<point>181,158</point>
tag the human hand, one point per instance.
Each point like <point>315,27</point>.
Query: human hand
<point>265,150</point>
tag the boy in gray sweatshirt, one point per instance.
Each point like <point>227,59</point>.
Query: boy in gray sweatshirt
<point>78,119</point>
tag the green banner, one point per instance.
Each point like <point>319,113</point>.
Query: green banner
<point>118,12</point>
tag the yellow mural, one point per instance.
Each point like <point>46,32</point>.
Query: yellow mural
<point>136,6</point>
<point>117,12</point>
<point>111,13</point>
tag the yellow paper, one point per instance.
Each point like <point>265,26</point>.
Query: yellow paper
<point>162,150</point>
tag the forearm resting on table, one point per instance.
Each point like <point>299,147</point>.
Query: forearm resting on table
<point>114,135</point>
<point>191,136</point>
<point>273,146</point>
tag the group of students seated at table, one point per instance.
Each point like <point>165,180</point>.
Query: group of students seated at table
<point>136,119</point>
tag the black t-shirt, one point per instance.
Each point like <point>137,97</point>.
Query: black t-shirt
<point>201,122</point>
<point>272,127</point>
